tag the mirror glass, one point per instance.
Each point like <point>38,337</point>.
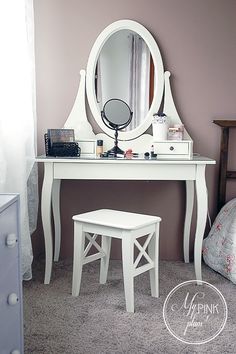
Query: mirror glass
<point>125,70</point>
<point>125,63</point>
<point>117,112</point>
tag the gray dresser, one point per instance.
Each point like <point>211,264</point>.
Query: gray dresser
<point>11,314</point>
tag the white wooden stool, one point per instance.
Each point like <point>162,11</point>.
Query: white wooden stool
<point>128,227</point>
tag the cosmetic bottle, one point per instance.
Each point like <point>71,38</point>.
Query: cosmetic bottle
<point>99,148</point>
<point>180,128</point>
<point>176,133</point>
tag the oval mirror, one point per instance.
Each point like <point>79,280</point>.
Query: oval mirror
<point>125,62</point>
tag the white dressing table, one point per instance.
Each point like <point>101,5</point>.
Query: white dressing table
<point>191,171</point>
<point>175,160</point>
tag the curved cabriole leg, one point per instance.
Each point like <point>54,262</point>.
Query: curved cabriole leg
<point>46,218</point>
<point>56,217</point>
<point>188,218</point>
<point>201,193</point>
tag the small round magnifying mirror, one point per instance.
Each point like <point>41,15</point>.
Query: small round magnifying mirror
<point>116,115</point>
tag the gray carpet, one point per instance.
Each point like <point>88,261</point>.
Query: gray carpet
<point>96,321</point>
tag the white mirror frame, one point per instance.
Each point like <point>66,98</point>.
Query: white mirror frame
<point>158,76</point>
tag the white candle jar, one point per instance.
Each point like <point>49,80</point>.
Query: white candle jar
<point>160,127</point>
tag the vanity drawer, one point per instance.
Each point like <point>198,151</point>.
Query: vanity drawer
<point>171,147</point>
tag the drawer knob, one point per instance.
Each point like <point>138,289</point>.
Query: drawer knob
<point>12,299</point>
<point>11,240</point>
<point>172,148</point>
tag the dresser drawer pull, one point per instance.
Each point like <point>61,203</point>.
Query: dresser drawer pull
<point>11,240</point>
<point>12,299</point>
<point>172,148</point>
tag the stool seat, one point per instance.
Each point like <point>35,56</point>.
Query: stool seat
<point>123,225</point>
<point>116,219</point>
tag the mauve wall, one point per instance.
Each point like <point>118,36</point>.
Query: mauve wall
<point>197,41</point>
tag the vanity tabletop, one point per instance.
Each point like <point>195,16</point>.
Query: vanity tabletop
<point>196,160</point>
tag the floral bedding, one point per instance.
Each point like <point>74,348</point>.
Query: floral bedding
<point>219,247</point>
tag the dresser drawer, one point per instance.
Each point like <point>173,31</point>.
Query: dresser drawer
<point>8,237</point>
<point>11,332</point>
<point>11,314</point>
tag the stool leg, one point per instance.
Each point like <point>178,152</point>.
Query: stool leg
<point>128,260</point>
<point>106,246</point>
<point>79,241</point>
<point>153,251</point>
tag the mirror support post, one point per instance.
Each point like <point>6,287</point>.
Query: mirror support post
<point>77,119</point>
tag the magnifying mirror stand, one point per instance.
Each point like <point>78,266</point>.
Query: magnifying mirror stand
<point>116,115</point>
<point>116,150</point>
